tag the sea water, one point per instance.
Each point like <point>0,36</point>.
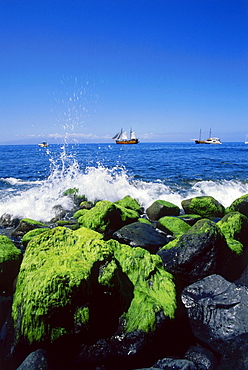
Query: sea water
<point>33,179</point>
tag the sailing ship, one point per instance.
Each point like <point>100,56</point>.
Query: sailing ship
<point>210,140</point>
<point>121,138</point>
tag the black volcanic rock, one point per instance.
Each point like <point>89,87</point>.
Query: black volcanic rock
<point>139,234</point>
<point>218,311</point>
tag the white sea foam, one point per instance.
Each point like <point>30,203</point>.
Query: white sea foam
<point>16,182</point>
<point>39,198</point>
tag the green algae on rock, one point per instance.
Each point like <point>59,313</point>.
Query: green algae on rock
<point>87,234</point>
<point>58,275</point>
<point>154,289</point>
<point>172,225</point>
<point>129,202</point>
<point>234,226</point>
<point>25,225</point>
<point>73,281</point>
<point>205,206</point>
<point>71,191</point>
<point>10,260</point>
<point>107,215</point>
<point>239,205</point>
<point>86,204</point>
<point>144,221</point>
<point>80,212</point>
<point>31,234</point>
<point>161,208</point>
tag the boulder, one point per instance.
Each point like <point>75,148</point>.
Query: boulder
<point>239,205</point>
<point>74,286</point>
<point>161,208</point>
<point>243,279</point>
<point>203,358</point>
<point>10,260</point>
<point>6,220</point>
<point>205,206</point>
<point>152,307</point>
<point>37,360</point>
<point>236,355</point>
<point>217,310</point>
<point>139,234</point>
<point>25,225</point>
<point>173,364</point>
<point>86,204</point>
<point>130,203</point>
<point>234,226</point>
<point>59,213</point>
<point>173,226</point>
<point>195,254</point>
<point>107,216</point>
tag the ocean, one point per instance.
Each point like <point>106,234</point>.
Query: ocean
<point>33,179</point>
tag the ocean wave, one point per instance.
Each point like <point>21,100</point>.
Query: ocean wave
<point>15,181</point>
<point>39,199</point>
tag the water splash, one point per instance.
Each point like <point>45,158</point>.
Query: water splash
<point>39,199</point>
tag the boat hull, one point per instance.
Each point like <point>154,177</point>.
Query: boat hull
<point>132,141</point>
<point>209,142</point>
<point>200,142</point>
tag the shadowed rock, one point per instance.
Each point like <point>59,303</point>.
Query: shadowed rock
<point>217,310</point>
<point>142,235</point>
<point>195,254</point>
<point>161,208</point>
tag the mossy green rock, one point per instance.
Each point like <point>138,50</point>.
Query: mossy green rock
<point>86,204</point>
<point>154,289</point>
<point>130,203</point>
<point>60,273</point>
<point>25,225</point>
<point>67,282</point>
<point>205,206</point>
<point>234,226</point>
<point>172,226</point>
<point>87,234</point>
<point>161,208</point>
<point>10,260</point>
<point>31,234</point>
<point>107,215</point>
<point>80,212</point>
<point>239,205</point>
<point>71,191</point>
<point>144,221</point>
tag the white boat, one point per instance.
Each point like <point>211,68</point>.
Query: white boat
<point>246,139</point>
<point>210,140</point>
<point>121,138</point>
<point>43,144</point>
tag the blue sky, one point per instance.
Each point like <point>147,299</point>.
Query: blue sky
<point>80,70</point>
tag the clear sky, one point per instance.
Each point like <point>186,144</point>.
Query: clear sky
<point>83,69</point>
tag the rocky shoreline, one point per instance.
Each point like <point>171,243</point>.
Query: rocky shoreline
<point>113,286</point>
